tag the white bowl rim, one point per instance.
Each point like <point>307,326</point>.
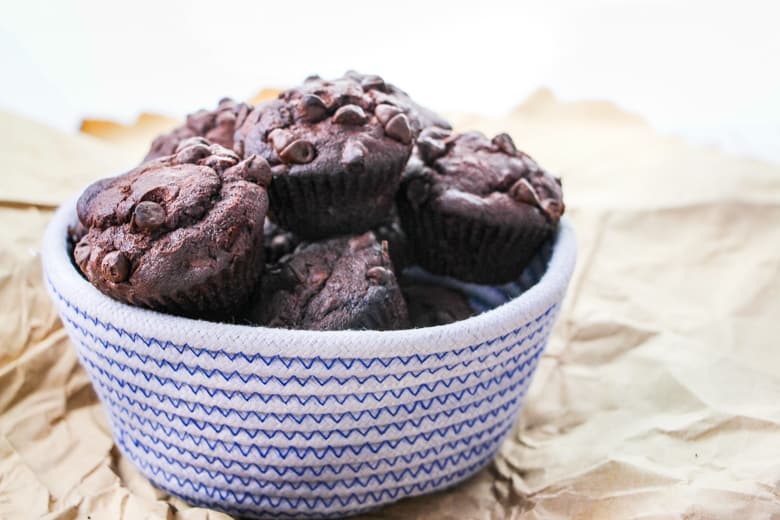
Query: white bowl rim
<point>65,283</point>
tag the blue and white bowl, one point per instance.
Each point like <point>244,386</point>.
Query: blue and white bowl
<point>274,423</point>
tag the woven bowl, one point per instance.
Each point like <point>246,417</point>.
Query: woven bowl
<point>299,424</point>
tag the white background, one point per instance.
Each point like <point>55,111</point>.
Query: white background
<point>707,70</point>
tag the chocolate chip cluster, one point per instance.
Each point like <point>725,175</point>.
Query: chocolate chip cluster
<point>304,212</point>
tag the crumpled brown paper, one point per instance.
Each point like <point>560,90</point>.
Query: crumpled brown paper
<point>659,396</point>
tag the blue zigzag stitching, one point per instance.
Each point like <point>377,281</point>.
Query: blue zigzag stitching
<point>246,378</point>
<point>510,408</point>
<point>316,472</point>
<point>320,470</point>
<point>357,483</point>
<point>260,513</point>
<point>221,496</point>
<point>304,400</point>
<point>288,362</point>
<point>325,435</point>
<point>301,453</point>
<point>245,414</point>
<point>202,426</point>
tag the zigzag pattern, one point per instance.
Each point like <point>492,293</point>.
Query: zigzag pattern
<point>259,513</point>
<point>302,453</point>
<point>247,378</point>
<point>312,473</point>
<point>321,400</point>
<point>310,503</point>
<point>259,485</point>
<point>324,435</point>
<point>375,414</point>
<point>217,411</point>
<point>288,362</point>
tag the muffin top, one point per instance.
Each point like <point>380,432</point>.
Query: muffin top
<point>172,224</point>
<point>489,179</point>
<point>218,126</point>
<point>327,127</point>
<point>337,284</point>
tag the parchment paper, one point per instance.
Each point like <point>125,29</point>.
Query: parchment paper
<point>659,396</point>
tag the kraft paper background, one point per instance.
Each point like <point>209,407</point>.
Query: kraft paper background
<point>659,396</point>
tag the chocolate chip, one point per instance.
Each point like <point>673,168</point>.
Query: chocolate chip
<point>352,158</point>
<point>312,108</point>
<point>349,115</point>
<point>81,254</point>
<point>221,162</point>
<point>385,112</point>
<point>280,138</point>
<point>522,191</point>
<point>192,153</point>
<point>218,149</point>
<point>372,81</point>
<point>192,141</point>
<point>148,215</point>
<point>115,267</point>
<point>258,170</point>
<point>313,77</point>
<point>431,149</point>
<point>504,143</point>
<point>398,128</point>
<point>553,208</point>
<point>298,152</point>
<point>379,275</point>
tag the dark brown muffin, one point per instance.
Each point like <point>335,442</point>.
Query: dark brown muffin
<point>476,209</point>
<point>181,234</point>
<point>337,284</point>
<point>337,149</point>
<point>430,305</point>
<point>218,126</point>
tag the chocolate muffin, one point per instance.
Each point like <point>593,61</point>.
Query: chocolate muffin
<point>430,305</point>
<point>337,284</point>
<point>218,126</point>
<point>337,149</point>
<point>181,234</point>
<point>474,208</point>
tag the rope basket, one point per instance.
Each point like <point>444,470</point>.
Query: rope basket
<point>274,423</point>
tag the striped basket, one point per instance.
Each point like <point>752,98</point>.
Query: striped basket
<point>273,423</point>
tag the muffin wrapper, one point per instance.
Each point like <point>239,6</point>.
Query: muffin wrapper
<point>340,203</point>
<point>464,248</point>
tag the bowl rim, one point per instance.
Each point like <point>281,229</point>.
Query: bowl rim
<point>66,287</point>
